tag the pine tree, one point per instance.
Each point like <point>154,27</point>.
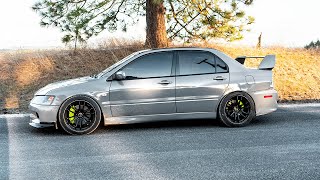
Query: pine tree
<point>186,19</point>
<point>313,45</point>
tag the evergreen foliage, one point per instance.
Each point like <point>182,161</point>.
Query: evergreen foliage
<point>186,19</point>
<point>313,45</point>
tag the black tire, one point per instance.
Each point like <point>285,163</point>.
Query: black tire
<point>236,109</point>
<point>79,115</point>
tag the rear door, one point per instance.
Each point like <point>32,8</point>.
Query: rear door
<point>149,87</point>
<point>201,80</point>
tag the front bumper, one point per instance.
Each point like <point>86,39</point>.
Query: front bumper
<point>265,101</point>
<point>43,116</point>
<point>38,124</point>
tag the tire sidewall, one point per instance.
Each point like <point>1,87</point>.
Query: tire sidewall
<point>222,115</point>
<point>65,104</point>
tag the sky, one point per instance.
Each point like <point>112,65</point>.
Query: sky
<point>291,23</point>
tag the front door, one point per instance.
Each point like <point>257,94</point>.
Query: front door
<point>149,87</point>
<point>201,80</point>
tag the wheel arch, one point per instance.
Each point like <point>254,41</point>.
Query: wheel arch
<point>86,95</point>
<point>237,91</point>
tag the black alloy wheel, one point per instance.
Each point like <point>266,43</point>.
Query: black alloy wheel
<point>236,109</point>
<point>79,115</point>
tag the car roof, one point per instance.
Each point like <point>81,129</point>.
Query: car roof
<point>175,49</point>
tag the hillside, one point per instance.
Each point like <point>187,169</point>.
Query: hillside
<point>296,75</point>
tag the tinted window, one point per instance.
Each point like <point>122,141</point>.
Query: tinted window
<point>221,66</point>
<point>151,65</point>
<point>193,62</point>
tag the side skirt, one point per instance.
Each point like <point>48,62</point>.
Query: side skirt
<point>159,117</point>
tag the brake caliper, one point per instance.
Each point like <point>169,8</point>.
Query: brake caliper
<point>72,110</point>
<point>241,104</point>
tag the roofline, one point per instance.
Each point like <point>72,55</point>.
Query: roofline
<point>177,48</point>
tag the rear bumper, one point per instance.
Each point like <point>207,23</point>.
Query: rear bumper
<point>265,101</point>
<point>43,116</point>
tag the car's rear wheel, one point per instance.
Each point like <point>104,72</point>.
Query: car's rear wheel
<point>236,109</point>
<point>79,115</point>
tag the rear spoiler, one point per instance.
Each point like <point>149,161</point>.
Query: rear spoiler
<point>267,63</point>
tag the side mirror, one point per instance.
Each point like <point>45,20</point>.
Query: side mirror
<point>120,75</point>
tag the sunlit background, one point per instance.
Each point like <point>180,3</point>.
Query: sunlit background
<point>290,23</point>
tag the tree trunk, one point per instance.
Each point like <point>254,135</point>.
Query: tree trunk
<point>156,28</point>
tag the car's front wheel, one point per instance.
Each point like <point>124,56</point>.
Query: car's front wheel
<point>79,115</point>
<point>236,109</point>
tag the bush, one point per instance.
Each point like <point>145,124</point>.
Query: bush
<point>313,45</point>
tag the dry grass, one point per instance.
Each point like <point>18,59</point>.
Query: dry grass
<point>23,73</point>
<point>296,75</point>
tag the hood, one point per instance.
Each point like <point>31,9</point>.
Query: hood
<point>65,83</point>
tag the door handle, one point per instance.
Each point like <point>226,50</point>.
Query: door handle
<point>219,78</point>
<point>164,82</point>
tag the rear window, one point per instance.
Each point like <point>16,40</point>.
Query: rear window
<point>200,62</point>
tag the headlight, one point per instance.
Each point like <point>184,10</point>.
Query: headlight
<point>43,100</point>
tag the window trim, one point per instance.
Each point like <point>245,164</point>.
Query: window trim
<point>173,67</point>
<point>215,62</point>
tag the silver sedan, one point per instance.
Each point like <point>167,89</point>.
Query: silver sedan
<point>157,85</point>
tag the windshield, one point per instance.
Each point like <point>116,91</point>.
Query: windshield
<point>116,64</point>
